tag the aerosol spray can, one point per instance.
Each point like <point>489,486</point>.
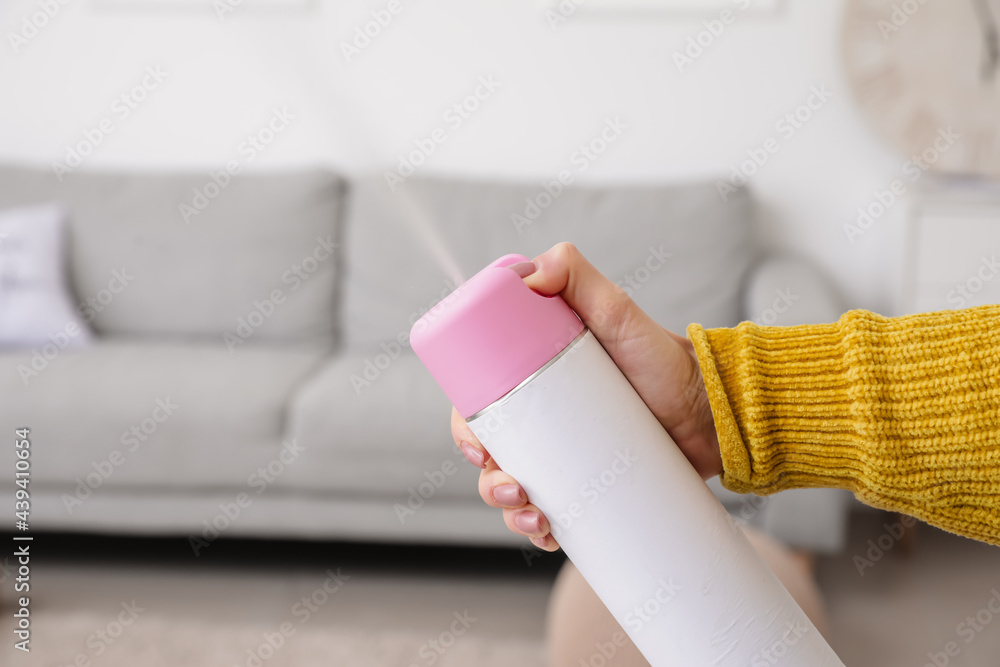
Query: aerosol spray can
<point>627,507</point>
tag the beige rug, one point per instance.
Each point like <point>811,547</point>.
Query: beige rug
<point>59,639</point>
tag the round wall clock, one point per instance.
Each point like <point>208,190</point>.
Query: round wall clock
<point>927,75</point>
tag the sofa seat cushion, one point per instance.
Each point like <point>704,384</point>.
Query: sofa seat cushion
<point>377,425</point>
<point>178,416</point>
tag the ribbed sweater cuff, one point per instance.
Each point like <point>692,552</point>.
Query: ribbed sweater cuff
<point>904,412</point>
<point>780,398</point>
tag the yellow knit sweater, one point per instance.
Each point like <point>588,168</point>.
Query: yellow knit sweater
<point>904,412</point>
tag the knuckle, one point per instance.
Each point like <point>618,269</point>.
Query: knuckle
<point>508,519</point>
<point>485,489</point>
<point>566,251</point>
<point>487,481</point>
<point>615,308</point>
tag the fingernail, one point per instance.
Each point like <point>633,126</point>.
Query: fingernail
<point>541,542</point>
<point>509,494</point>
<point>523,269</point>
<point>475,456</point>
<point>528,522</point>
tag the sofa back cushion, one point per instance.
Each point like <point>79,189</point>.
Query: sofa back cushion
<point>681,251</point>
<point>150,256</point>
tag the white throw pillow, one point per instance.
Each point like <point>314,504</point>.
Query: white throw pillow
<point>35,304</point>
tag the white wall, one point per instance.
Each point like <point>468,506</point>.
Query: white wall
<point>557,87</point>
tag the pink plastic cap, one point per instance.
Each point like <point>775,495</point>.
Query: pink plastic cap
<point>491,334</point>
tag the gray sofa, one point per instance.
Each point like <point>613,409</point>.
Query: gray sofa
<point>253,377</point>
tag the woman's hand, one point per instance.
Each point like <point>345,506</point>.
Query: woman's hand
<point>660,365</point>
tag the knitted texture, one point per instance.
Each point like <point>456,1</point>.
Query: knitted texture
<point>904,412</point>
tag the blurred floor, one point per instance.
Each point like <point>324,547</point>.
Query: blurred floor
<point>400,607</point>
<point>339,604</point>
<point>907,606</point>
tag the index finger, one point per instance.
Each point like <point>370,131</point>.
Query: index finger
<point>467,441</point>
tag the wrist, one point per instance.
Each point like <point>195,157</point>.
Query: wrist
<point>711,464</point>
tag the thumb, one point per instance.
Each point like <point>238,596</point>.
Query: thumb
<point>653,360</point>
<point>660,365</point>
<point>603,306</point>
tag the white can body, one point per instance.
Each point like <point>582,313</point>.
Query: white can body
<point>640,524</point>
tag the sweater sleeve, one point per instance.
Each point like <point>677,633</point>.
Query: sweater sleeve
<point>904,412</point>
